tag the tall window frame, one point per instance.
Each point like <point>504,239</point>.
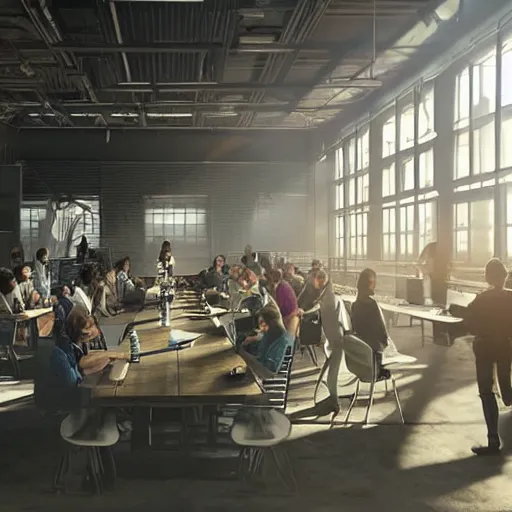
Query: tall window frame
<point>352,195</point>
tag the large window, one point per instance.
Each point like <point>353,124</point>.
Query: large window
<point>176,218</point>
<point>427,216</point>
<point>474,118</point>
<point>352,194</point>
<point>59,226</point>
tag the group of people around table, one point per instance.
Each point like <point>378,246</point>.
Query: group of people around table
<point>279,296</point>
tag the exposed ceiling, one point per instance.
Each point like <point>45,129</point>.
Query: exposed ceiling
<point>210,64</point>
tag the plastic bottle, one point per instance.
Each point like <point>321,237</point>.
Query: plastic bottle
<point>134,347</point>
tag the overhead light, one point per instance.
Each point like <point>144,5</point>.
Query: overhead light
<point>170,1</point>
<point>46,114</point>
<point>133,83</point>
<point>251,14</point>
<point>169,114</point>
<point>124,114</point>
<point>448,9</point>
<point>84,114</point>
<point>257,39</point>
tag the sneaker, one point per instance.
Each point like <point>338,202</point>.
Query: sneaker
<point>484,451</point>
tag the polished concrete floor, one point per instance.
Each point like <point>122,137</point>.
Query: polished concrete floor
<point>425,465</point>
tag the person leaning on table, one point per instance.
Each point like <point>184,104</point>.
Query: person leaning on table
<point>489,318</point>
<point>264,352</point>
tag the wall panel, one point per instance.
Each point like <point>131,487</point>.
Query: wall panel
<point>266,204</point>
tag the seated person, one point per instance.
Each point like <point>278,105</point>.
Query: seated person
<point>28,292</point>
<point>11,301</point>
<point>249,260</point>
<point>41,275</point>
<point>130,291</point>
<point>291,277</point>
<point>286,301</point>
<point>367,318</point>
<point>68,365</point>
<point>90,292</point>
<point>217,275</point>
<point>243,287</point>
<point>264,353</point>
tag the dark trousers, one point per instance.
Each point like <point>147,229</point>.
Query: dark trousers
<point>489,355</point>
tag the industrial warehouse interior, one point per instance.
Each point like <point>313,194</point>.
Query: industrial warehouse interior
<point>254,255</point>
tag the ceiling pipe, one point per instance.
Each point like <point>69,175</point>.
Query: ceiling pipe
<point>119,37</point>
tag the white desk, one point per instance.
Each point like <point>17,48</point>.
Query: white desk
<point>433,315</point>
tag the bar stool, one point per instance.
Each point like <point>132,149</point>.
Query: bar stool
<point>86,457</point>
<point>260,433</point>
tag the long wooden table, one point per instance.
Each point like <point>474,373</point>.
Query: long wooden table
<point>188,377</point>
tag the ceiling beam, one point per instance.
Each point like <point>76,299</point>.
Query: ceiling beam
<point>242,86</point>
<point>178,47</point>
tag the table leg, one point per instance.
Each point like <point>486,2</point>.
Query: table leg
<point>422,332</point>
<point>141,433</point>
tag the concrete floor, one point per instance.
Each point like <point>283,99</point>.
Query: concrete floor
<point>425,465</point>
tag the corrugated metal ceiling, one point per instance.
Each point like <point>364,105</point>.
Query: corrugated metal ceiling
<point>217,63</point>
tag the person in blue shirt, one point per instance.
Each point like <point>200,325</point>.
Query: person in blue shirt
<point>57,389</point>
<point>264,353</point>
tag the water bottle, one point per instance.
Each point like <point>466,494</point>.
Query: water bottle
<point>134,347</point>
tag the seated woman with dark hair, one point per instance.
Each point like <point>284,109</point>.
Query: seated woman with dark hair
<point>28,292</point>
<point>264,353</point>
<point>129,291</point>
<point>367,318</point>
<point>11,301</point>
<point>217,275</point>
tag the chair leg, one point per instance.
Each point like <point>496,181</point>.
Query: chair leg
<point>15,363</point>
<point>370,402</point>
<point>354,399</point>
<point>397,397</point>
<point>312,354</point>
<point>320,378</point>
<point>284,467</point>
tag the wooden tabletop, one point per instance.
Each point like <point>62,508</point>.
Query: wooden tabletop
<point>193,376</point>
<point>27,315</point>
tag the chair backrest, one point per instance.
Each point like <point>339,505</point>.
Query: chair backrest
<point>359,358</point>
<point>343,315</point>
<point>277,387</point>
<point>7,333</point>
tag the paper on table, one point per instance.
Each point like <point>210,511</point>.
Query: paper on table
<point>217,311</point>
<point>178,336</point>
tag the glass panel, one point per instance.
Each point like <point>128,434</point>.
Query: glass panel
<point>389,137</point>
<point>338,163</point>
<point>462,99</point>
<point>426,171</point>
<point>351,160</point>
<point>484,86</point>
<point>339,196</point>
<point>506,74</point>
<point>407,127</point>
<point>407,175</point>
<point>426,116</point>
<point>461,155</point>
<point>483,149</point>
<point>363,149</point>
<point>352,192</point>
<point>388,181</point>
<point>481,231</point>
<point>462,215</point>
<point>506,135</point>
